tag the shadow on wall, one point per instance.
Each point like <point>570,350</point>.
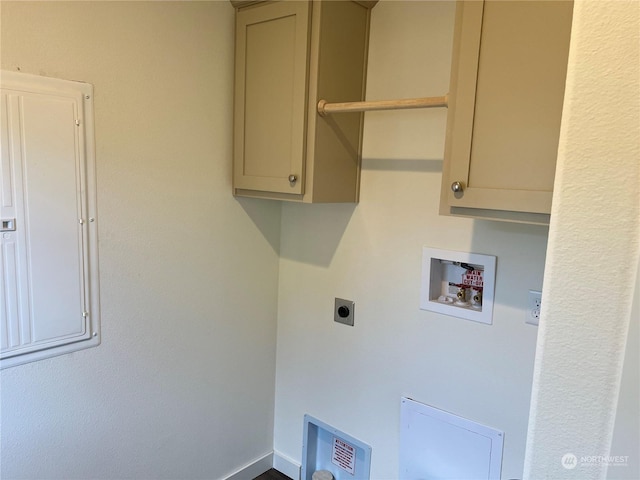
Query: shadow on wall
<point>315,244</point>
<point>321,227</point>
<point>520,250</point>
<point>260,211</point>
<point>403,165</point>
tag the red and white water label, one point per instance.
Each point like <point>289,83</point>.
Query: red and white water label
<point>344,455</point>
<point>473,278</point>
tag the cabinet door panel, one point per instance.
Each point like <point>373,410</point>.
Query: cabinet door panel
<point>511,68</point>
<point>270,98</point>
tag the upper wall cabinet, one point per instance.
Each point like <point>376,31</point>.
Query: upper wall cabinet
<point>289,55</point>
<point>506,94</point>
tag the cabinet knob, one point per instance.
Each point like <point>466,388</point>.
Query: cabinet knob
<point>293,178</point>
<point>456,187</point>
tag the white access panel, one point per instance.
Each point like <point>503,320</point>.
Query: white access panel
<point>437,445</point>
<point>49,282</point>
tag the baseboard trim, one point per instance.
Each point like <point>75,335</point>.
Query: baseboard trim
<point>253,469</point>
<point>286,465</point>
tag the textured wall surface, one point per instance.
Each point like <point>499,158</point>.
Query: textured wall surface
<point>182,385</point>
<point>593,247</point>
<point>626,433</point>
<point>353,378</point>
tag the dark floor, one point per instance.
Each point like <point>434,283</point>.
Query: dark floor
<point>272,475</point>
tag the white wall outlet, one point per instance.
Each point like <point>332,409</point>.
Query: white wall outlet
<point>533,307</point>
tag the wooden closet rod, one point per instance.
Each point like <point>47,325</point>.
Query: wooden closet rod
<point>325,108</point>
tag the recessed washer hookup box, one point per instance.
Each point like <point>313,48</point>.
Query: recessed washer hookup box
<point>327,448</point>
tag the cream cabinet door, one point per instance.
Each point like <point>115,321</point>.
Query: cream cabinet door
<point>507,90</point>
<point>270,99</point>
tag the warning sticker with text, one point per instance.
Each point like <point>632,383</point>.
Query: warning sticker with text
<point>473,278</point>
<point>344,455</point>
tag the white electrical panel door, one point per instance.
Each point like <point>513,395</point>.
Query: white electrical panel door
<point>49,256</point>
